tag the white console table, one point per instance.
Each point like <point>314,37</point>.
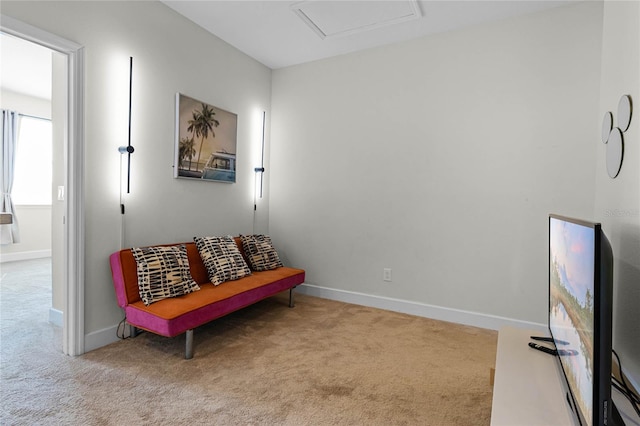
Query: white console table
<point>528,386</point>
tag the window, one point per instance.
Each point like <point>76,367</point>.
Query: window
<point>33,166</point>
<point>221,163</point>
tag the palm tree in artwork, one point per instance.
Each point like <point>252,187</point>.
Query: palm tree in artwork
<point>202,123</point>
<point>185,150</point>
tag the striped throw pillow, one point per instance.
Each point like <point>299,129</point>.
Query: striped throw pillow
<point>222,258</point>
<point>163,272</point>
<point>260,252</point>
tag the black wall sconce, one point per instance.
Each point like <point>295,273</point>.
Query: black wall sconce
<point>128,149</point>
<point>261,168</point>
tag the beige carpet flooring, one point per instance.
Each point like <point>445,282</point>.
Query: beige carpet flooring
<point>320,363</point>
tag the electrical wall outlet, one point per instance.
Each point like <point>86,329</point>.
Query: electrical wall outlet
<point>386,274</point>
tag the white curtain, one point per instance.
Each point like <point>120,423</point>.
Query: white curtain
<point>9,234</point>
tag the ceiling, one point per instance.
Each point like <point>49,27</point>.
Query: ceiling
<point>25,67</point>
<point>280,33</point>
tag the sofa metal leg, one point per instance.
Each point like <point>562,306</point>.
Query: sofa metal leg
<point>291,301</point>
<point>133,330</point>
<point>188,351</point>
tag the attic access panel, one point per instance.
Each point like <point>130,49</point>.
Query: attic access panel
<point>330,18</point>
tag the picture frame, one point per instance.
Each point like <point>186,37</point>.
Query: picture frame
<point>205,141</point>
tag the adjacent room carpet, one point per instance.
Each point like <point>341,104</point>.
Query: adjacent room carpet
<point>320,363</point>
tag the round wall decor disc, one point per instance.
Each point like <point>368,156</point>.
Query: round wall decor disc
<point>615,152</point>
<point>625,109</point>
<point>607,125</point>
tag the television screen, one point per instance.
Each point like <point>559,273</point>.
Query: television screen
<point>571,306</point>
<point>580,315</point>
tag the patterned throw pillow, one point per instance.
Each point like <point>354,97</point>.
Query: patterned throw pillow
<point>222,258</point>
<point>260,252</point>
<point>163,272</point>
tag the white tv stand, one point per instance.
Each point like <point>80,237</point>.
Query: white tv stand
<point>528,386</point>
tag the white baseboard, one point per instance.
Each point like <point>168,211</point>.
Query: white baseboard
<point>55,317</point>
<point>100,338</point>
<point>491,322</point>
<point>24,255</point>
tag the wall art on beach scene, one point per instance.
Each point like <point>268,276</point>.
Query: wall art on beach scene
<point>206,140</point>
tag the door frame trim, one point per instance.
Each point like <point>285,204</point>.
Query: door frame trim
<point>73,337</point>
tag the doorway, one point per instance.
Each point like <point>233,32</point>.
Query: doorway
<point>71,126</point>
<point>27,79</point>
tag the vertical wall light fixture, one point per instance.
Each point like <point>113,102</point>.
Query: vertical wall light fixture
<point>128,149</point>
<point>261,168</point>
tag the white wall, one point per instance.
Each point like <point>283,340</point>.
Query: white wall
<point>171,55</point>
<point>618,200</point>
<point>440,158</point>
<point>25,104</point>
<point>35,235</point>
<point>59,92</point>
<point>34,221</point>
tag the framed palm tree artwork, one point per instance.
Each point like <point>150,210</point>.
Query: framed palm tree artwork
<point>206,140</point>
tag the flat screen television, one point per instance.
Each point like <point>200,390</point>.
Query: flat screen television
<point>580,316</point>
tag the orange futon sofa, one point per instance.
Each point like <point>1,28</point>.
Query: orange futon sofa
<point>173,316</point>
